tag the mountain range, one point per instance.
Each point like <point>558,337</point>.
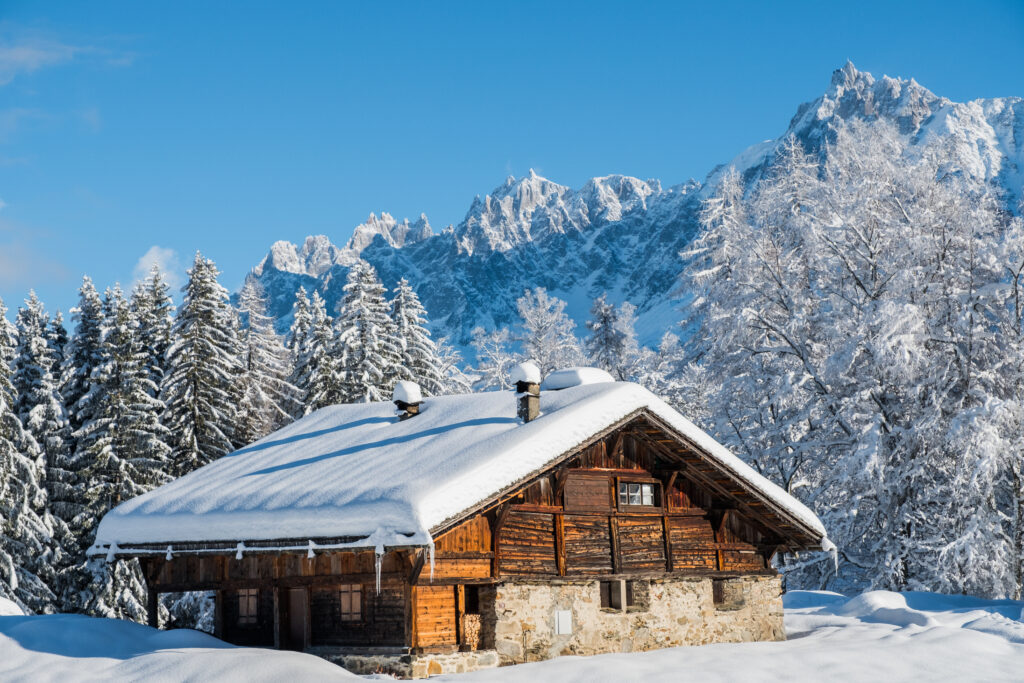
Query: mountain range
<point>618,234</point>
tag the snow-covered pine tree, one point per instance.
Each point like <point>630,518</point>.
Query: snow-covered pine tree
<point>126,456</point>
<point>26,538</point>
<point>365,346</point>
<point>202,365</point>
<point>39,410</point>
<point>419,356</point>
<point>57,340</point>
<point>302,322</point>
<point>154,310</point>
<point>605,343</point>
<point>316,371</point>
<point>494,359</point>
<point>82,355</point>
<point>547,335</point>
<point>268,399</point>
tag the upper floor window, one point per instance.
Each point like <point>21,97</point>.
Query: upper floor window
<point>247,606</point>
<point>351,602</point>
<point>633,493</point>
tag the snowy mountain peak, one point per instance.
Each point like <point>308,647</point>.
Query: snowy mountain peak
<point>394,233</point>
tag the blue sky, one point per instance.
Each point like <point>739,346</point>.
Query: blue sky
<point>159,128</point>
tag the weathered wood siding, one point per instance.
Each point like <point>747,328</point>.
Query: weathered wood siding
<point>259,634</point>
<point>435,616</point>
<point>383,622</point>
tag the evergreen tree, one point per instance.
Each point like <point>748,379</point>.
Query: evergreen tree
<point>302,322</point>
<point>268,399</point>
<point>366,349</point>
<point>202,365</point>
<point>57,340</point>
<point>27,552</point>
<point>419,358</point>
<point>316,370</point>
<point>44,444</point>
<point>127,455</point>
<point>154,310</point>
<point>82,356</point>
<point>606,343</point>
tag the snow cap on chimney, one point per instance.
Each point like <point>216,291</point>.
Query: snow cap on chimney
<point>526,377</point>
<point>407,397</point>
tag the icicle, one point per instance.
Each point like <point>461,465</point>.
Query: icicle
<point>169,556</point>
<point>112,552</point>
<point>309,553</point>
<point>378,562</point>
<point>238,550</point>
<point>829,547</point>
<point>430,553</point>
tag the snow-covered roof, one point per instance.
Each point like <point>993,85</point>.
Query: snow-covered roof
<point>357,471</point>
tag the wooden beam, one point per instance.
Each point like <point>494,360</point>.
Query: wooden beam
<point>417,567</point>
<point>277,618</point>
<point>218,614</point>
<point>613,528</point>
<point>152,608</point>
<point>666,530</point>
<point>499,522</point>
<point>560,544</point>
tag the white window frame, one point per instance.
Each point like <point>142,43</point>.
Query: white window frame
<point>636,493</point>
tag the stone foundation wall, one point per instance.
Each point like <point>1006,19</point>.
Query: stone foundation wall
<point>673,612</point>
<point>413,666</point>
<point>518,623</point>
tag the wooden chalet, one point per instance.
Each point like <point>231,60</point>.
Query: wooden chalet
<point>473,531</point>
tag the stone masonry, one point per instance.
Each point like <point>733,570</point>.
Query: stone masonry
<point>518,623</point>
<point>669,613</point>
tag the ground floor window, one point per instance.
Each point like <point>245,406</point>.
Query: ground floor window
<point>727,594</point>
<point>618,594</point>
<point>248,606</point>
<point>351,596</point>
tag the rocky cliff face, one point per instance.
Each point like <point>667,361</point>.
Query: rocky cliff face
<point>618,234</point>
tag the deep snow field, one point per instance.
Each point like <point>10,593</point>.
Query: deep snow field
<point>876,636</point>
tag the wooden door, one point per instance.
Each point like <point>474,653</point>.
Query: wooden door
<point>298,619</point>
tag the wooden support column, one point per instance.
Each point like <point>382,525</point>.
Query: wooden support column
<point>277,618</point>
<point>560,543</point>
<point>218,614</point>
<point>613,527</point>
<point>460,609</point>
<point>152,608</point>
<point>666,529</point>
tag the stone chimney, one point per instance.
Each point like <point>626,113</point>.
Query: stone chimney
<point>407,398</point>
<point>526,378</point>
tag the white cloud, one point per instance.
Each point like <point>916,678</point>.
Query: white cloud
<point>31,55</point>
<point>168,261</point>
<point>3,205</point>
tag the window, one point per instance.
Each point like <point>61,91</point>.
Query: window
<point>633,493</point>
<point>247,606</point>
<point>351,602</point>
<point>727,595</point>
<point>472,600</point>
<point>611,594</point>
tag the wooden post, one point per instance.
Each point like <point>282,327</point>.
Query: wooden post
<point>460,609</point>
<point>277,618</point>
<point>152,608</point>
<point>218,614</point>
<point>560,543</point>
<point>613,527</point>
<point>666,529</point>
